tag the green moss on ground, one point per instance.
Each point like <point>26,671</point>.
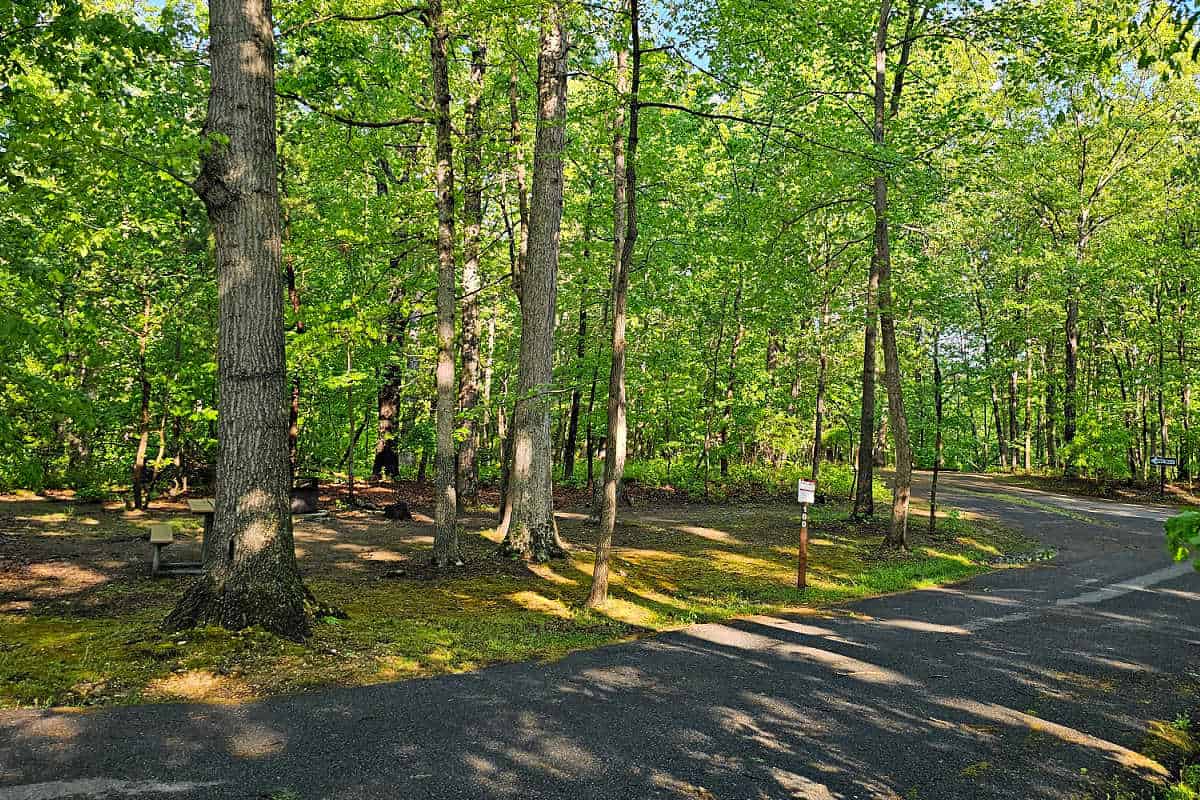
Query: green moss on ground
<point>101,644</point>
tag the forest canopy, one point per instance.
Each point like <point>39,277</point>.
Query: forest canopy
<point>1004,190</point>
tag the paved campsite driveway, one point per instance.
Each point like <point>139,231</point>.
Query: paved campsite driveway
<point>1031,683</point>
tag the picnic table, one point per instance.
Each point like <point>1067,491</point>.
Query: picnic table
<point>162,536</point>
<point>206,508</point>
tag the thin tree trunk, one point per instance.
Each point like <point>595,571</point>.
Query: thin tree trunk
<point>1162,377</point>
<point>489,371</point>
<point>1028,425</point>
<point>998,419</point>
<point>140,500</point>
<point>349,461</point>
<point>589,436</point>
<point>518,254</point>
<point>1184,471</point>
<point>614,462</point>
<point>727,411</point>
<point>1012,420</point>
<point>468,392</point>
<point>902,482</point>
<point>445,536</point>
<point>250,574</point>
<point>819,404</point>
<point>937,436</point>
<point>864,500</point>
<point>620,211</point>
<point>580,347</point>
<point>1127,412</point>
<point>293,296</point>
<point>532,532</point>
<point>517,148</point>
<point>1071,378</point>
<point>1051,407</point>
<point>397,326</point>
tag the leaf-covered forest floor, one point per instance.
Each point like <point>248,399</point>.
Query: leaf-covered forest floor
<point>80,614</point>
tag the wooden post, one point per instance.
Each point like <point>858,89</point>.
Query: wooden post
<point>806,492</point>
<point>802,561</point>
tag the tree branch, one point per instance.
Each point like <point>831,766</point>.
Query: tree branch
<point>353,122</point>
<point>397,12</point>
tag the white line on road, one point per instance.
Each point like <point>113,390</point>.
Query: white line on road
<point>1138,584</point>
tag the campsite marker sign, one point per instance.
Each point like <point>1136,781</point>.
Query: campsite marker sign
<point>1162,462</point>
<point>806,493</point>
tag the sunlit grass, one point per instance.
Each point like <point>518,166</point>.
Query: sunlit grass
<point>110,649</point>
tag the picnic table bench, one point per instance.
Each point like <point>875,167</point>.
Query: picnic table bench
<point>162,536</point>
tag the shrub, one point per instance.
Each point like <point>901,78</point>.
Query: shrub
<point>1183,537</point>
<point>746,480</point>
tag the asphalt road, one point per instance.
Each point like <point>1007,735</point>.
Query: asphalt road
<point>1024,683</point>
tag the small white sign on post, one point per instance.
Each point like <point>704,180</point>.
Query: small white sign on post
<point>806,492</point>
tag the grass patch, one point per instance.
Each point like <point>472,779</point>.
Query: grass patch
<point>101,645</point>
<point>1173,744</point>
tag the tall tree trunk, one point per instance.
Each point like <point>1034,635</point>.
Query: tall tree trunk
<point>937,436</point>
<point>614,462</point>
<point>293,297</point>
<point>1143,413</point>
<point>518,254</point>
<point>250,575</point>
<point>819,404</point>
<point>468,390</point>
<point>386,460</point>
<point>532,532</point>
<point>517,148</point>
<point>864,500</point>
<point>1012,420</point>
<point>354,432</point>
<point>580,346</point>
<point>620,206</point>
<point>140,500</point>
<point>445,534</point>
<point>902,482</point>
<point>397,325</point>
<point>1001,441</point>
<point>1071,378</point>
<point>1185,390</point>
<point>731,378</point>
<point>489,370</point>
<point>1028,425</point>
<point>589,440</point>
<point>1127,412</point>
<point>1162,375</point>
<point>1051,407</point>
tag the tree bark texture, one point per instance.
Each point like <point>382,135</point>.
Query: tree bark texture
<point>445,535</point>
<point>250,573</point>
<point>614,462</point>
<point>468,390</point>
<point>532,532</point>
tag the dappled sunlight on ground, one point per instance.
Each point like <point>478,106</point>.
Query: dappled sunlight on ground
<point>75,582</point>
<point>990,712</point>
<point>198,684</point>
